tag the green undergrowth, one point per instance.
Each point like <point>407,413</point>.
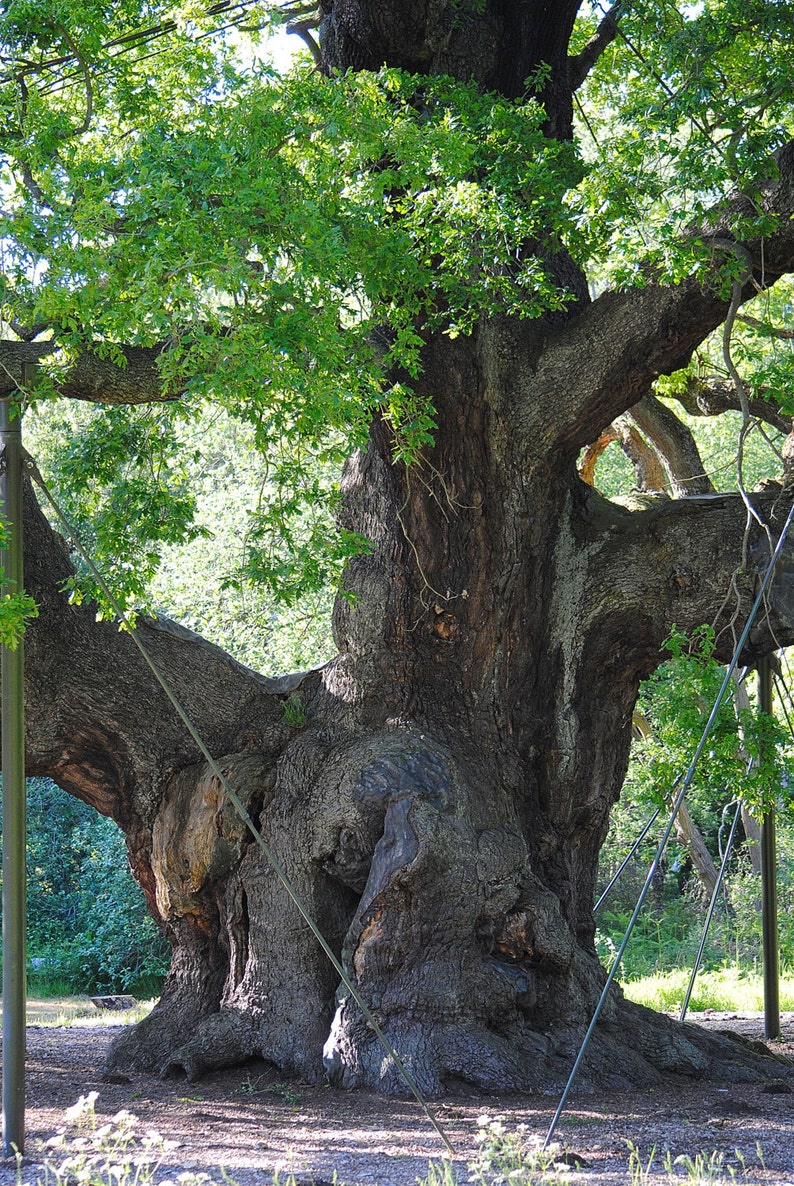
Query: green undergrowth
<point>45,984</point>
<point>727,990</point>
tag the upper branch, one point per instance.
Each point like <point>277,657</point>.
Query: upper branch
<point>607,355</point>
<point>648,469</point>
<point>580,66</point>
<point>714,397</point>
<point>85,123</point>
<point>675,444</point>
<point>305,30</point>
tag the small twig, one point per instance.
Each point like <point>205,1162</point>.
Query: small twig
<point>737,296</point>
<point>303,30</point>
<point>771,331</point>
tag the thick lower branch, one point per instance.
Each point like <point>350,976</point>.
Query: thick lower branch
<point>98,723</point>
<point>89,377</point>
<point>681,563</point>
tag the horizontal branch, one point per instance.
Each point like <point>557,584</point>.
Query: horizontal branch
<point>90,377</point>
<point>765,329</point>
<point>28,332</point>
<point>714,397</point>
<point>688,561</point>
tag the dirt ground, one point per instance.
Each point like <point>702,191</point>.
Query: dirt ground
<point>260,1128</point>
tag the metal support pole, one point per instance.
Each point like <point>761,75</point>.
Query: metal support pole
<point>14,806</point>
<point>769,883</point>
<point>626,860</point>
<point>710,912</point>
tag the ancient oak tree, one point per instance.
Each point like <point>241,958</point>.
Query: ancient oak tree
<point>455,246</point>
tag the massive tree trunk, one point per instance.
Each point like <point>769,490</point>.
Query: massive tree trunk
<point>442,806</point>
<point>441,803</point>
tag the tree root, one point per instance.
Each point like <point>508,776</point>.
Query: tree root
<point>223,1040</point>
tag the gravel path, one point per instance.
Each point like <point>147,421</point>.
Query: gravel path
<point>260,1129</point>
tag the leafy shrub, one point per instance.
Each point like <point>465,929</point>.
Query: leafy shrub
<point>88,927</point>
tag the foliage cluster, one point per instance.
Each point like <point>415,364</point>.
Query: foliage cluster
<point>749,756</point>
<point>687,103</point>
<point>88,927</point>
<point>747,752</point>
<point>206,582</point>
<point>283,243</point>
<point>16,608</point>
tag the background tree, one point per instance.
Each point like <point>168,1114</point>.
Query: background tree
<point>387,261</point>
<point>88,929</point>
<point>675,702</point>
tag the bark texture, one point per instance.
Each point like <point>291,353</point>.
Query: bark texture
<point>442,807</point>
<point>90,377</point>
<point>442,802</point>
<point>690,836</point>
<point>497,44</point>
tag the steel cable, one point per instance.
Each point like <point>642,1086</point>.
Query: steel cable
<point>687,779</point>
<point>239,807</point>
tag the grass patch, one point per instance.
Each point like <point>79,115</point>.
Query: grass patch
<point>100,1017</point>
<point>78,1010</point>
<point>727,990</point>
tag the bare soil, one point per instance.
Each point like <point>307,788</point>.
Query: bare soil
<point>258,1127</point>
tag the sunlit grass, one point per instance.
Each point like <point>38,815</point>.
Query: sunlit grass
<point>726,990</point>
<point>100,1017</point>
<point>78,1011</point>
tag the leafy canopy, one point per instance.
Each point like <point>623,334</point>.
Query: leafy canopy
<point>287,242</point>
<point>689,103</point>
